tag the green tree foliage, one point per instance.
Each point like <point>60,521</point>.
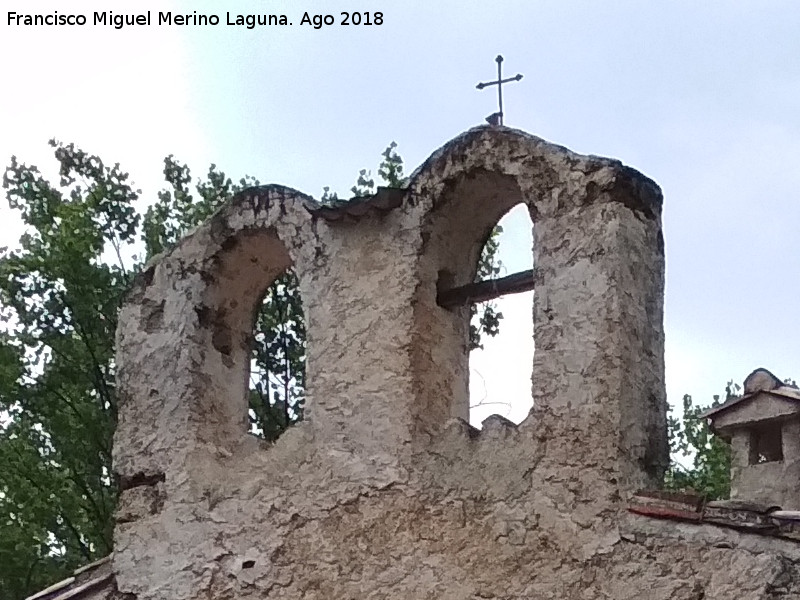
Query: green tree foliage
<point>60,291</point>
<point>59,297</point>
<point>701,461</point>
<point>278,371</point>
<point>178,210</point>
<point>484,318</point>
<point>365,185</point>
<point>391,169</point>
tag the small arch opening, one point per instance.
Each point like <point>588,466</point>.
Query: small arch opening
<point>501,329</point>
<point>277,380</point>
<point>255,323</point>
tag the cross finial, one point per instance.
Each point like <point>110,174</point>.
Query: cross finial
<point>497,118</point>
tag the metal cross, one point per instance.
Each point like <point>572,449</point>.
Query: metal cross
<point>499,83</point>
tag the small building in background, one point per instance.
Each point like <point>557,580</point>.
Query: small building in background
<point>763,427</point>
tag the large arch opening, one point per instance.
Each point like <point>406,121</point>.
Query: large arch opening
<point>456,231</point>
<point>500,364</point>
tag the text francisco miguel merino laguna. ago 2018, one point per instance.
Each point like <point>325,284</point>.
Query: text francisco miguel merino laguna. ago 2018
<point>250,21</point>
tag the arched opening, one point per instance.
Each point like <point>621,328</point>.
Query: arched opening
<point>276,394</point>
<point>501,357</point>
<point>456,230</point>
<point>254,315</point>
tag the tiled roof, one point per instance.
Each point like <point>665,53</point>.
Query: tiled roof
<point>760,381</point>
<point>744,516</point>
<point>94,581</point>
<point>787,392</point>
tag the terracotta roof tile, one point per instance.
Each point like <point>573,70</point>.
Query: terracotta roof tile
<point>759,519</point>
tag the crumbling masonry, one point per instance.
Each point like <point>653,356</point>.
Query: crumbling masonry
<point>384,491</point>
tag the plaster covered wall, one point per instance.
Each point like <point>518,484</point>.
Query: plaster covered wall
<point>384,491</point>
<point>774,483</point>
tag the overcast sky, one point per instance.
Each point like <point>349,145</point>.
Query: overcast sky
<point>702,97</point>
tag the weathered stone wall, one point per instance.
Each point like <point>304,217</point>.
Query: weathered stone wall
<point>383,492</point>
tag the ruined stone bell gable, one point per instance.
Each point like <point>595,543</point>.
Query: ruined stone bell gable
<point>385,491</point>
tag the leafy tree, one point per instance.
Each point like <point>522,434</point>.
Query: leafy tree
<point>177,210</point>
<point>59,296</point>
<point>484,318</point>
<point>278,372</point>
<point>391,169</point>
<point>693,443</point>
<point>365,185</point>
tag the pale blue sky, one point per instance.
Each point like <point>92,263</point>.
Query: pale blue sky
<point>705,99</point>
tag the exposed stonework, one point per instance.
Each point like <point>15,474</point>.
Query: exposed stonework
<point>385,491</point>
